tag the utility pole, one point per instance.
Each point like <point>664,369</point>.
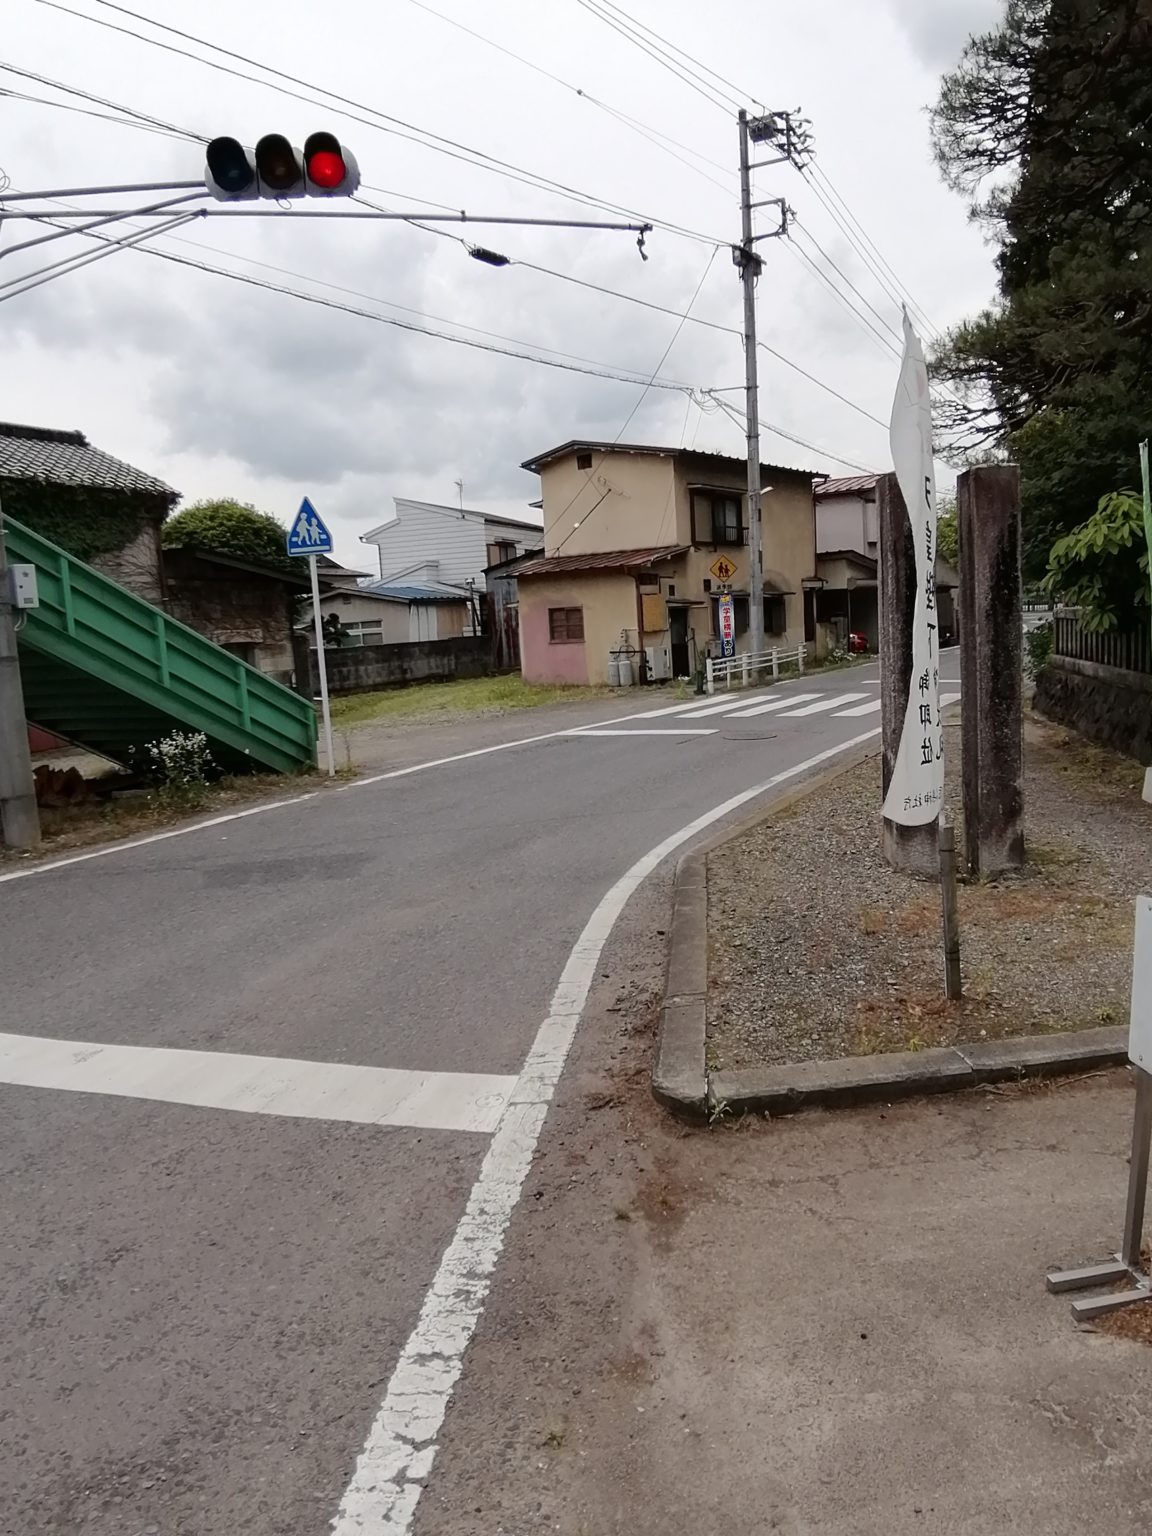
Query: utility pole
<point>19,818</point>
<point>750,265</point>
<point>787,131</point>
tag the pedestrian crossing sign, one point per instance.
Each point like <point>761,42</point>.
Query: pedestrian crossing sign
<point>722,568</point>
<point>308,535</point>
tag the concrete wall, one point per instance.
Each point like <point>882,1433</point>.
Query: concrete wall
<point>364,668</point>
<point>1110,707</point>
<point>609,604</point>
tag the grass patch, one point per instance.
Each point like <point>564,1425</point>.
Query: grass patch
<point>472,695</point>
<point>104,821</point>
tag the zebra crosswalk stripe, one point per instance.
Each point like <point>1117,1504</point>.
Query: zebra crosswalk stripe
<point>763,709</point>
<point>822,705</point>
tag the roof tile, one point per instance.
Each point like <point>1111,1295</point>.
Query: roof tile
<point>67,458</point>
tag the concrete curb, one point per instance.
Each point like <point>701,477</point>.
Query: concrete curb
<point>680,1077</point>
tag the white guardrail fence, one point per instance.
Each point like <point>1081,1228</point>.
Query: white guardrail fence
<point>740,671</point>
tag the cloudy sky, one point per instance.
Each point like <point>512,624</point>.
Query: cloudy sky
<point>223,388</point>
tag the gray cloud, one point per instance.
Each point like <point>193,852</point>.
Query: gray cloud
<point>219,387</point>
<point>938,29</point>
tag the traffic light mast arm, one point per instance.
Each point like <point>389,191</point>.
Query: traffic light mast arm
<point>131,186</point>
<point>105,218</point>
<point>235,211</point>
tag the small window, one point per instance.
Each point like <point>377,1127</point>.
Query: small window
<point>671,589</point>
<point>707,583</point>
<point>583,461</point>
<point>565,626</point>
<point>727,527</point>
<point>367,632</point>
<point>717,518</point>
<point>775,615</point>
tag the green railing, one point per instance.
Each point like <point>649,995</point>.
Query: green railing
<point>108,670</point>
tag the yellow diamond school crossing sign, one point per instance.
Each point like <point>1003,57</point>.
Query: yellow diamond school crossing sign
<point>722,568</point>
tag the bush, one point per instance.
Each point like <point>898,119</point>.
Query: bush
<point>179,767</point>
<point>1037,647</point>
<point>229,528</point>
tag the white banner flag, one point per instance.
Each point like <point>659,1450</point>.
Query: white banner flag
<point>916,790</point>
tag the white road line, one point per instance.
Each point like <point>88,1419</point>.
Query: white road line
<point>763,709</point>
<point>821,706</point>
<point>153,837</point>
<point>260,1085</point>
<point>860,709</point>
<point>667,730</point>
<point>720,707</point>
<point>394,1465</point>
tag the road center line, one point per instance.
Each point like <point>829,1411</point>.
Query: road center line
<point>260,1085</point>
<point>394,1465</point>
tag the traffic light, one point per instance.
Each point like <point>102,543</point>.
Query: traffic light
<point>278,169</point>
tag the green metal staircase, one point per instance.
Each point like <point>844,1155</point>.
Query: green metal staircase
<point>110,671</point>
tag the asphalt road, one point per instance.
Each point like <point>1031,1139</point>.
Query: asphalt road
<point>210,1271</point>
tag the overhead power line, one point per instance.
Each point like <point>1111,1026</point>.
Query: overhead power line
<point>768,426</point>
<point>742,96</point>
<point>655,136</point>
<point>355,111</point>
<point>636,406</point>
<point>878,265</point>
<point>686,73</point>
<point>131,117</point>
<point>843,276</point>
<point>900,286</point>
<point>584,366</point>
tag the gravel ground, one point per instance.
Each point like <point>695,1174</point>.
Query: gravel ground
<point>818,949</point>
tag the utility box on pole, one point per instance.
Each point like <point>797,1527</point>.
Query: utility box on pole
<point>19,816</point>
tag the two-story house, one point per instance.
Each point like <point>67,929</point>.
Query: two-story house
<point>448,546</point>
<point>846,592</point>
<point>639,541</point>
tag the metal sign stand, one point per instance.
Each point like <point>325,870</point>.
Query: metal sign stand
<point>1126,1265</point>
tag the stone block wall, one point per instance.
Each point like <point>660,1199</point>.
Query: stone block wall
<point>365,668</point>
<point>1111,707</point>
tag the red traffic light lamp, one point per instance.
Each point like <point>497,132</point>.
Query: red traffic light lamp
<point>329,169</point>
<point>278,169</point>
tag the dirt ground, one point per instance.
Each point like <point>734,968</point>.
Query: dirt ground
<point>818,949</point>
<point>829,1325</point>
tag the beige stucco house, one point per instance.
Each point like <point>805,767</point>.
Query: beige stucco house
<point>634,539</point>
<point>846,592</point>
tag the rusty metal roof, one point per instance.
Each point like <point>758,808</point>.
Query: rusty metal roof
<point>845,485</point>
<point>685,455</point>
<point>622,560</point>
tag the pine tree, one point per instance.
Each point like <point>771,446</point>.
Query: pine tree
<point>1046,125</point>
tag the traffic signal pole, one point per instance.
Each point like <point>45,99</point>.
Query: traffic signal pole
<point>19,816</point>
<point>322,665</point>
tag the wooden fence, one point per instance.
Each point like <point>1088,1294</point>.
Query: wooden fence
<point>1130,652</point>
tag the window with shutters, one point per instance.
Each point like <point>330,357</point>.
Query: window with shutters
<point>565,626</point>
